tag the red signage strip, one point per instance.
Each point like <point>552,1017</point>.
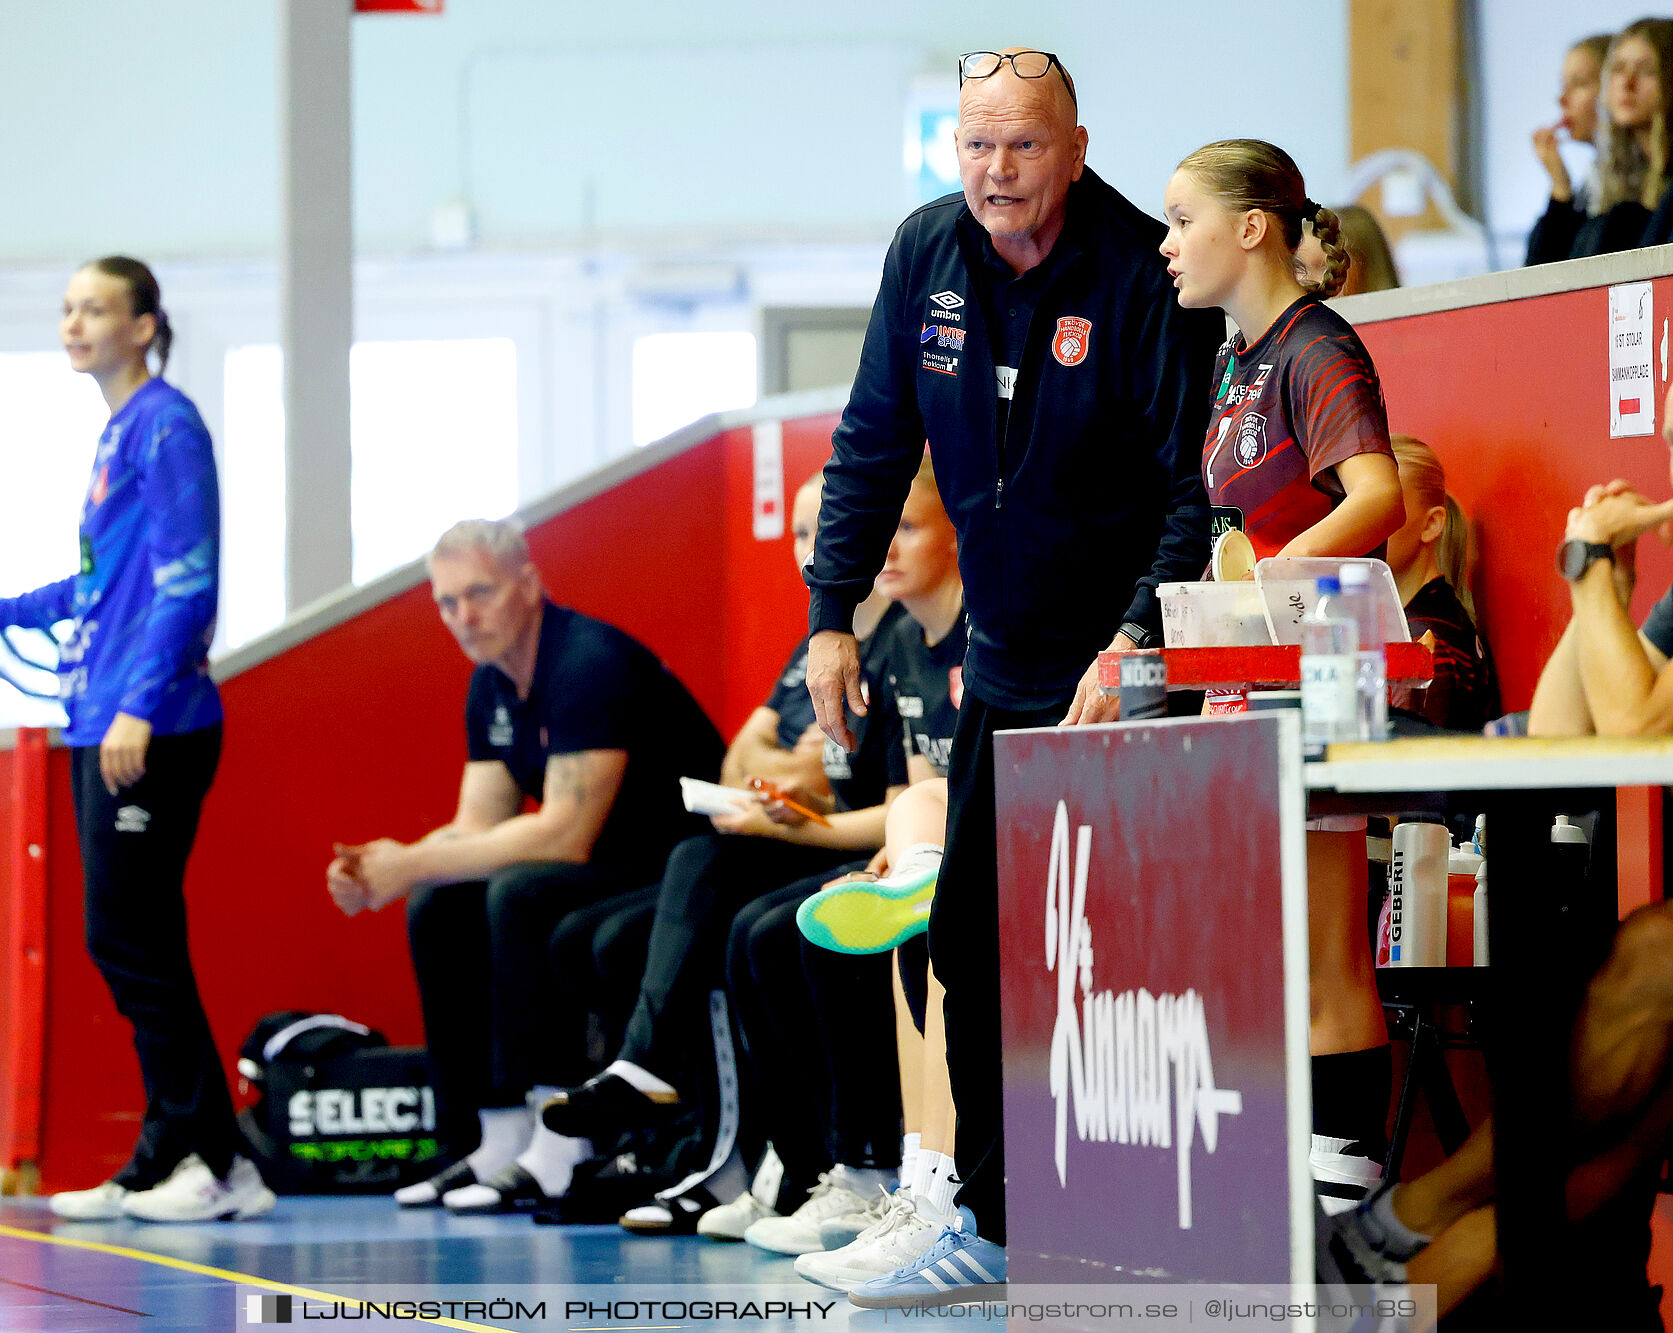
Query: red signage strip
<point>1273,665</point>
<point>25,963</point>
<point>398,6</point>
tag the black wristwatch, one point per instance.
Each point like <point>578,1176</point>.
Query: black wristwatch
<point>1575,557</point>
<point>1141,637</point>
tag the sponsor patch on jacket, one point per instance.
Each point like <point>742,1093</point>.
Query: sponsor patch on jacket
<point>940,362</point>
<point>945,306</point>
<point>1072,340</point>
<point>942,335</point>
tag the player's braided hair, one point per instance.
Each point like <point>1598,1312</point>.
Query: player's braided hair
<point>1327,227</point>
<point>1253,174</point>
<point>144,298</point>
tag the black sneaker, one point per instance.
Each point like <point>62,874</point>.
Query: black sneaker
<point>605,1107</point>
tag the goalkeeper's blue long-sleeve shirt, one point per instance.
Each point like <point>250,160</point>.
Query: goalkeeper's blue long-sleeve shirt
<point>143,605</point>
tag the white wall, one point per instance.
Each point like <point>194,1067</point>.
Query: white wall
<point>152,127</point>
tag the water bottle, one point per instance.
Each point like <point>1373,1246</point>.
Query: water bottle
<point>1329,666</point>
<point>1461,866</point>
<point>1417,895</point>
<point>1371,684</point>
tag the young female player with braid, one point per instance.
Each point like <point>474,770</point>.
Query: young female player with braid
<point>1298,457</point>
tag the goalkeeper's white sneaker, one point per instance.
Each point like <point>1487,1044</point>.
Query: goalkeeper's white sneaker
<point>102,1203</point>
<point>194,1194</point>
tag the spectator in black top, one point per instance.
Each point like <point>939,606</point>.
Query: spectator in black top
<point>1578,98</point>
<point>1633,156</point>
<point>1430,557</point>
<point>577,715</point>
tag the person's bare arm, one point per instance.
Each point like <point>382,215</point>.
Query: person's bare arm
<point>488,795</point>
<point>756,753</point>
<point>1559,704</point>
<point>1626,693</point>
<point>845,830</point>
<point>579,791</point>
<point>1371,511</point>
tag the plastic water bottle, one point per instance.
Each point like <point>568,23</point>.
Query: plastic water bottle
<point>1371,684</point>
<point>1329,667</point>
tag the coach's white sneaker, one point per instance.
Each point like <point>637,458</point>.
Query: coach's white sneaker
<point>102,1203</point>
<point>193,1194</point>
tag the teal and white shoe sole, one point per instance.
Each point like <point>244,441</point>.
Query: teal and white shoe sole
<point>868,916</point>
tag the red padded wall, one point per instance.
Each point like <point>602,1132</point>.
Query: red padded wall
<point>1513,397</point>
<point>358,733</point>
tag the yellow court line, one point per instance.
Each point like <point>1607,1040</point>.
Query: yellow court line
<point>226,1275</point>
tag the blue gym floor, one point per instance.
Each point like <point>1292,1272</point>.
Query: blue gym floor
<point>94,1277</point>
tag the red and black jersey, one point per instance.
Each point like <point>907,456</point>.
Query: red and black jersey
<point>1286,412</point>
<point>1464,693</point>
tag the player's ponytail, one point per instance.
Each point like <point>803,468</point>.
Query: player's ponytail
<point>1327,229</point>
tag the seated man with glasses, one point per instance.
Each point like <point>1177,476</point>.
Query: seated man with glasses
<point>1028,329</point>
<point>573,713</point>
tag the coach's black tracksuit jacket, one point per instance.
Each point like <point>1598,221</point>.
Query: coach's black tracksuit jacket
<point>1092,497</point>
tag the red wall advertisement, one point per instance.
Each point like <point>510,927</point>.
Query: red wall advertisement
<point>1153,1129</point>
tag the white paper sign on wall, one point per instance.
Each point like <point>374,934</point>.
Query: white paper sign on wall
<point>769,480</point>
<point>1632,383</point>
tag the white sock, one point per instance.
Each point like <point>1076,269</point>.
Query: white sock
<point>936,1184</point>
<point>505,1133</point>
<point>865,1180</point>
<point>552,1158</point>
<point>914,861</point>
<point>909,1157</point>
<point>642,1079</point>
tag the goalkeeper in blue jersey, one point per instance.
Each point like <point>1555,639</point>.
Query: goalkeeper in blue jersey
<point>145,737</point>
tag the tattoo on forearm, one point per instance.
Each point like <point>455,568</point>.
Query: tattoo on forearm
<point>568,775</point>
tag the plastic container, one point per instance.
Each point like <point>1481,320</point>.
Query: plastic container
<point>1461,870</point>
<point>1329,662</point>
<point>1213,615</point>
<point>1417,897</point>
<point>1565,831</point>
<point>1289,588</point>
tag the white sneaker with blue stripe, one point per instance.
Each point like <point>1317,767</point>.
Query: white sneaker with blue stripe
<point>959,1269</point>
